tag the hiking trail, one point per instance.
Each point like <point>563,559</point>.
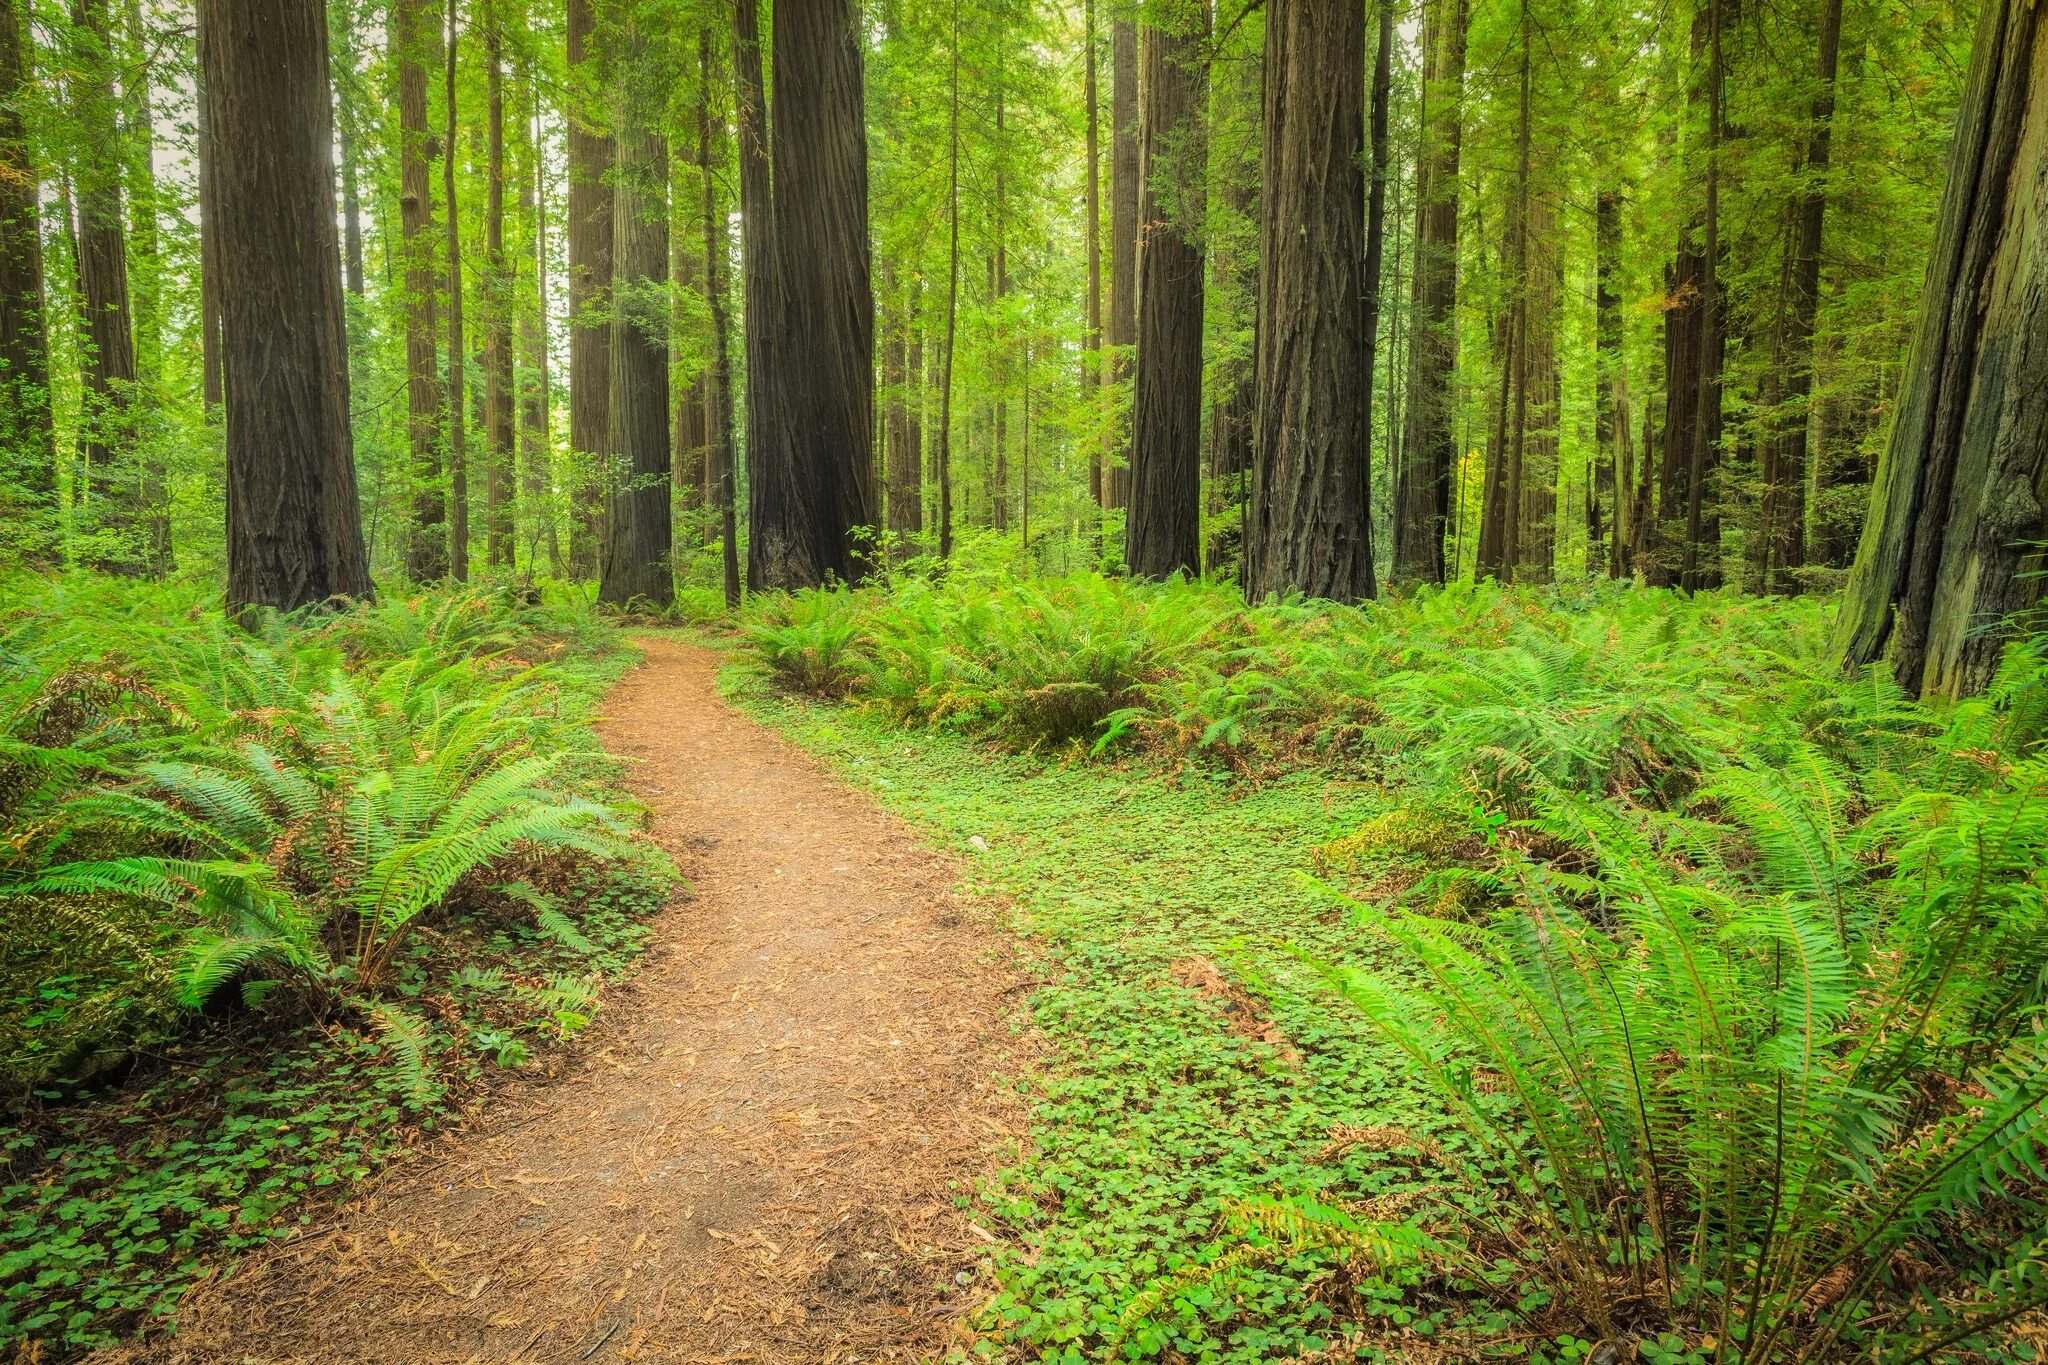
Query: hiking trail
<point>756,1156</point>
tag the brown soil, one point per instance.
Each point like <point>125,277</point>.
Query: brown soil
<point>757,1159</point>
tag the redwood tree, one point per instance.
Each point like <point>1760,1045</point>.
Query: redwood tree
<point>113,478</point>
<point>1163,532</point>
<point>1950,554</point>
<point>634,567</point>
<point>294,530</point>
<point>1429,440</point>
<point>1309,529</point>
<point>1123,234</point>
<point>499,496</point>
<point>413,42</point>
<point>824,346</point>
<point>27,435</point>
<point>590,281</point>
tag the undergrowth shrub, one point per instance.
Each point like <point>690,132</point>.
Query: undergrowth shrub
<point>1762,1069</point>
<point>272,901</point>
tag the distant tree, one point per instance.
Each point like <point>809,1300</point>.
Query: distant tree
<point>28,448</point>
<point>1428,454</point>
<point>294,528</point>
<point>719,459</point>
<point>1123,234</point>
<point>590,280</point>
<point>457,412</point>
<point>1162,535</point>
<point>113,473</point>
<point>1951,552</point>
<point>415,41</point>
<point>1780,539</point>
<point>500,495</point>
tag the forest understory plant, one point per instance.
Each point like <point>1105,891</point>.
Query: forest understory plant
<point>1765,1074</point>
<point>322,881</point>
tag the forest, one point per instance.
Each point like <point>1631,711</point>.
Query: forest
<point>1024,680</point>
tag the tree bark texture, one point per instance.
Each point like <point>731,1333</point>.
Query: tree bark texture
<point>28,443</point>
<point>590,283</point>
<point>1782,532</point>
<point>1310,530</point>
<point>1950,558</point>
<point>767,452</point>
<point>294,528</point>
<point>1606,492</point>
<point>414,41</point>
<point>1123,235</point>
<point>634,567</point>
<point>1162,536</point>
<point>1429,439</point>
<point>1092,373</point>
<point>535,435</point>
<point>114,479</point>
<point>458,347</point>
<point>500,497</point>
<point>719,461</point>
<point>690,422</point>
<point>802,534</point>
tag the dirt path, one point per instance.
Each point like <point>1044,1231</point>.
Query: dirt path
<point>759,1161</point>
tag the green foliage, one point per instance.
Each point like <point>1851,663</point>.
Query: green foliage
<point>1701,990</point>
<point>246,856</point>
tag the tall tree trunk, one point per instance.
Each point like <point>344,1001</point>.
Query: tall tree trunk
<point>689,437</point>
<point>1700,564</point>
<point>210,382</point>
<point>1505,515</point>
<point>139,137</point>
<point>1950,560</point>
<point>1123,233</point>
<point>1536,465</point>
<point>1494,553</point>
<point>1684,339</point>
<point>634,569</point>
<point>999,282</point>
<point>768,478</point>
<point>590,284</point>
<point>1235,99</point>
<point>1092,373</point>
<point>414,40</point>
<point>294,528</point>
<point>534,423</point>
<point>458,349</point>
<point>895,324</point>
<point>500,504</point>
<point>1310,530</point>
<point>348,136</point>
<point>28,442</point>
<point>905,458</point>
<point>1163,536</point>
<point>1373,286</point>
<point>1783,529</point>
<point>113,478</point>
<point>719,460</point>
<point>943,457</point>
<point>1429,440</point>
<point>826,337</point>
<point>1607,490</point>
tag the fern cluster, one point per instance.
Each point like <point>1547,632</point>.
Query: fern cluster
<point>1763,1059</point>
<point>191,808</point>
<point>1602,690</point>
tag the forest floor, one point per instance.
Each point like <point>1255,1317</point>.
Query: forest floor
<point>769,1150</point>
